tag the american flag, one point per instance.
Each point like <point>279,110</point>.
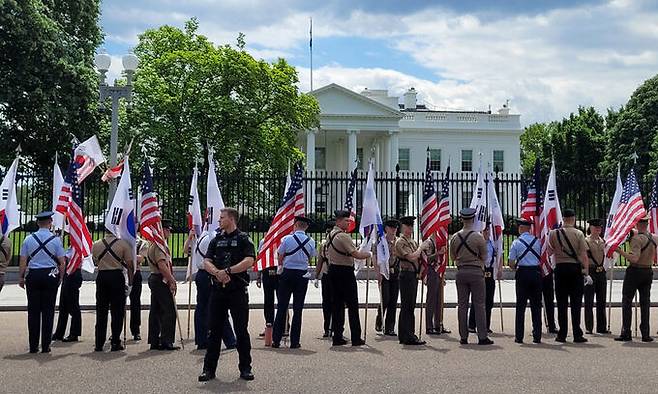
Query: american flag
<point>349,202</point>
<point>429,217</point>
<point>444,219</point>
<point>653,207</point>
<point>70,203</point>
<point>630,211</point>
<point>282,224</point>
<point>530,196</point>
<point>150,222</point>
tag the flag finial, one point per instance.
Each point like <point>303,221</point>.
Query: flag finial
<point>18,150</point>
<point>634,156</point>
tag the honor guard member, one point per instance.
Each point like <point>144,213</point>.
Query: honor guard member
<point>5,258</point>
<point>389,288</point>
<point>162,313</point>
<point>524,258</point>
<point>433,307</point>
<point>408,253</point>
<point>268,279</point>
<point>341,253</point>
<point>569,249</point>
<point>42,255</point>
<point>322,273</point>
<point>203,287</point>
<point>230,255</point>
<point>468,250</point>
<point>69,301</point>
<point>294,252</point>
<point>638,278</point>
<point>112,255</point>
<point>489,282</point>
<point>596,254</point>
<point>136,290</point>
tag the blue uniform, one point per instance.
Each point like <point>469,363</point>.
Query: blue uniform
<point>43,258</point>
<point>297,248</point>
<point>488,262</point>
<point>526,251</point>
<point>518,252</point>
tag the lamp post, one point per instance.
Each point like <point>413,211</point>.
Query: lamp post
<point>115,92</point>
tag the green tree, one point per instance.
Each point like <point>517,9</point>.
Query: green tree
<point>190,93</point>
<point>48,86</point>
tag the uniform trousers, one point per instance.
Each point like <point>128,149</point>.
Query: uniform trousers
<point>233,298</point>
<point>291,282</point>
<point>326,302</point>
<point>270,282</point>
<point>69,305</point>
<point>110,297</point>
<point>433,310</point>
<point>548,292</point>
<point>598,289</point>
<point>136,304</point>
<point>390,289</point>
<point>41,288</point>
<point>407,319</point>
<point>162,313</point>
<point>489,291</point>
<point>203,289</point>
<point>344,293</point>
<point>636,280</point>
<point>528,288</point>
<point>569,290</point>
<point>470,283</point>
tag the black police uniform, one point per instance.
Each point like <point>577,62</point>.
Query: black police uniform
<point>226,250</point>
<point>69,304</point>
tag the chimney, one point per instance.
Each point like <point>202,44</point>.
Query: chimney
<point>505,109</point>
<point>410,99</point>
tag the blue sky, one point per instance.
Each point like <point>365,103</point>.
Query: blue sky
<point>547,57</point>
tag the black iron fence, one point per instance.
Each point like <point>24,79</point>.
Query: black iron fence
<point>257,196</point>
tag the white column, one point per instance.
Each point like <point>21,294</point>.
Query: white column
<point>378,156</point>
<point>351,149</point>
<point>310,150</point>
<point>394,145</point>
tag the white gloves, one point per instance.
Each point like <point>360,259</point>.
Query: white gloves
<point>588,280</point>
<point>128,290</point>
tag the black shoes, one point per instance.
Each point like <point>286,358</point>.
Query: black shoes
<point>358,342</point>
<point>552,330</point>
<point>98,349</point>
<point>206,376</point>
<point>589,332</point>
<point>231,346</point>
<point>45,350</point>
<point>623,338</point>
<point>296,346</point>
<point>57,338</point>
<point>603,332</point>
<point>414,342</point>
<point>390,334</point>
<point>201,347</point>
<point>378,327</point>
<point>34,351</point>
<point>116,347</point>
<point>433,331</point>
<point>326,334</point>
<point>519,341</point>
<point>485,341</point>
<point>647,339</point>
<point>70,338</point>
<point>536,340</point>
<point>275,345</point>
<point>154,346</point>
<point>463,341</point>
<point>580,340</point>
<point>339,342</point>
<point>561,340</point>
<point>247,375</point>
<point>168,346</point>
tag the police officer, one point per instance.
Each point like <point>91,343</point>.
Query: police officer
<point>5,258</point>
<point>468,250</point>
<point>268,278</point>
<point>569,250</point>
<point>322,273</point>
<point>69,301</point>
<point>230,255</point>
<point>408,253</point>
<point>42,255</point>
<point>112,256</point>
<point>341,253</point>
<point>596,254</point>
<point>435,286</point>
<point>638,278</point>
<point>294,254</point>
<point>489,282</point>
<point>390,288</point>
<point>136,290</point>
<point>524,257</point>
<point>162,312</point>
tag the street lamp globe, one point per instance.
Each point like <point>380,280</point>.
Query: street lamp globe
<point>130,62</point>
<point>102,61</point>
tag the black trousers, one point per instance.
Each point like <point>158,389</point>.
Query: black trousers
<point>136,304</point>
<point>69,305</point>
<point>636,280</point>
<point>162,313</point>
<point>597,289</point>
<point>203,288</point>
<point>569,286</point>
<point>489,292</point>
<point>270,282</point>
<point>326,302</point>
<point>407,319</point>
<point>390,293</point>
<point>110,296</point>
<point>528,288</point>
<point>548,292</point>
<point>222,300</point>
<point>344,293</point>
<point>291,282</point>
<point>41,288</point>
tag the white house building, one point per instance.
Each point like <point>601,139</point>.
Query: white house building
<point>373,124</point>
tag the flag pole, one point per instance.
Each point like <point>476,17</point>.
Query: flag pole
<point>500,303</point>
<point>636,314</point>
<point>612,276</point>
<point>422,296</point>
<point>365,320</point>
<point>180,329</point>
<point>189,301</point>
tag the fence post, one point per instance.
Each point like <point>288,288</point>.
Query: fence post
<point>397,191</point>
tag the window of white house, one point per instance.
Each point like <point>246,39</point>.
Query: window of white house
<point>467,196</point>
<point>359,157</point>
<point>320,158</point>
<point>499,161</point>
<point>467,160</point>
<point>403,158</point>
<point>435,159</point>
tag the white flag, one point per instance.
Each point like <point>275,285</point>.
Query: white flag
<point>58,181</point>
<point>610,262</point>
<point>120,219</point>
<point>550,218</point>
<point>194,222</point>
<point>9,216</point>
<point>479,202</point>
<point>371,227</point>
<point>497,227</point>
<point>91,152</point>
<point>214,201</point>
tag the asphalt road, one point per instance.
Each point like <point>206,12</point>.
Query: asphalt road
<point>601,365</point>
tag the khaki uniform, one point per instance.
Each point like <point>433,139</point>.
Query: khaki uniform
<point>390,290</point>
<point>433,308</point>
<point>5,258</point>
<point>568,244</point>
<point>112,255</point>
<point>638,278</point>
<point>340,248</point>
<point>468,249</point>
<point>326,287</point>
<point>596,255</point>
<point>409,274</point>
<point>162,312</point>
<point>136,291</point>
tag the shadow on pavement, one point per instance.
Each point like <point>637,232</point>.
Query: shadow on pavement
<point>355,349</point>
<point>641,344</point>
<point>480,348</point>
<point>414,348</point>
<point>543,345</point>
<point>104,356</point>
<point>286,351</point>
<point>41,358</point>
<point>146,354</point>
<point>218,386</point>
